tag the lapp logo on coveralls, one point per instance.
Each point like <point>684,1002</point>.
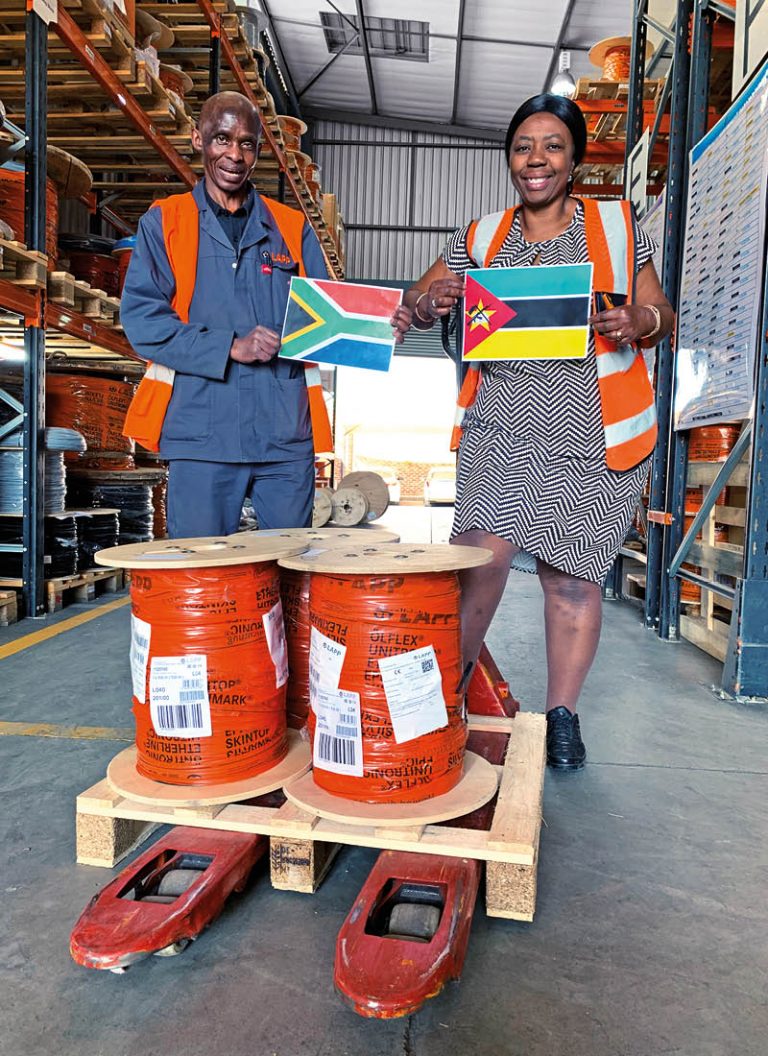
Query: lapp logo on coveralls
<point>270,258</point>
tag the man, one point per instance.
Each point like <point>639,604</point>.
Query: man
<point>205,295</point>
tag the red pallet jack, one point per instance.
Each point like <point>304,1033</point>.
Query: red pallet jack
<point>406,935</point>
<point>164,899</point>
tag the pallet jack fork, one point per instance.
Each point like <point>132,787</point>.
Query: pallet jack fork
<point>407,933</point>
<point>165,898</point>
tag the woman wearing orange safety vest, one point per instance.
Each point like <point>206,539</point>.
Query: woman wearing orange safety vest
<point>553,454</point>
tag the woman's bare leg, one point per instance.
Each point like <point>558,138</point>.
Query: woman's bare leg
<point>481,590</point>
<point>572,618</point>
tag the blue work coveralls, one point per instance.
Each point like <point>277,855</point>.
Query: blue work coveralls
<point>231,429</point>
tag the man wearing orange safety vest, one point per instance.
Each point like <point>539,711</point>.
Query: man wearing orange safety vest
<point>204,301</point>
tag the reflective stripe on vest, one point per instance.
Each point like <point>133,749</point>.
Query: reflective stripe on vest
<point>181,234</point>
<point>626,395</point>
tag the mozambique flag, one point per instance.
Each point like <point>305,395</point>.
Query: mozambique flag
<point>340,323</point>
<point>527,313</point>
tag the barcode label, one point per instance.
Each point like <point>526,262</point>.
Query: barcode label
<point>141,634</point>
<point>172,717</point>
<point>338,734</point>
<point>178,696</point>
<point>336,750</point>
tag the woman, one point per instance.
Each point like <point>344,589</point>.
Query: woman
<point>554,454</point>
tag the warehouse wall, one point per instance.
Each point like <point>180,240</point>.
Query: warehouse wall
<point>401,192</point>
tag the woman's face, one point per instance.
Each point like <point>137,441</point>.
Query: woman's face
<point>541,159</point>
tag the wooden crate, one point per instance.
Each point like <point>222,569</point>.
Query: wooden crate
<point>303,845</point>
<point>9,607</point>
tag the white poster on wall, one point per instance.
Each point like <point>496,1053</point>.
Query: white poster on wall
<point>751,40</point>
<point>723,265</point>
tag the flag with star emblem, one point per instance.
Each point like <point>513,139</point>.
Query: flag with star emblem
<point>344,324</point>
<point>527,313</point>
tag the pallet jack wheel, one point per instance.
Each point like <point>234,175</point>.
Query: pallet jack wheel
<point>414,921</point>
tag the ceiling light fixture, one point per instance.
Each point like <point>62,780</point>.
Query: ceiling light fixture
<point>562,82</point>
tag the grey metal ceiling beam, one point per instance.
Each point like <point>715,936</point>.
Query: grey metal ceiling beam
<point>559,43</point>
<point>404,124</point>
<point>366,54</point>
<point>457,63</point>
<point>336,55</point>
<point>284,70</point>
<point>286,20</point>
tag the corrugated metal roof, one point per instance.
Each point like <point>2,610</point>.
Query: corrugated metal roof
<point>499,55</point>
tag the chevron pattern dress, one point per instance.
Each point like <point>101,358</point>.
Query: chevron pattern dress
<point>532,458</point>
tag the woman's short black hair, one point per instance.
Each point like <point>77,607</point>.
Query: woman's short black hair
<point>565,109</point>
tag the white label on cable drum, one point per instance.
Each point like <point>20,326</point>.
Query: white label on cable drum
<point>141,635</point>
<point>274,628</point>
<point>338,732</point>
<point>413,687</point>
<point>178,695</point>
<point>326,659</point>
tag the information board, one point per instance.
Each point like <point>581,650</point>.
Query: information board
<point>723,265</point>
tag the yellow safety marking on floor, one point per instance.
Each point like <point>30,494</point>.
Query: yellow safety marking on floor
<point>59,628</point>
<point>71,733</point>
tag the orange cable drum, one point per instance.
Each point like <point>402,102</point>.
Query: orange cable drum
<point>378,616</point>
<point>96,407</point>
<point>294,590</point>
<point>616,65</point>
<point>712,443</point>
<point>12,209</point>
<point>221,615</point>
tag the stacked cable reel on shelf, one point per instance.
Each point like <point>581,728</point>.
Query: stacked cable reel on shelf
<point>360,498</point>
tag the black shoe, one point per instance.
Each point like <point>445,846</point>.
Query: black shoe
<point>565,748</point>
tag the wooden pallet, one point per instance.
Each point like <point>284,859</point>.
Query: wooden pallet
<point>65,289</point>
<point>9,607</point>
<point>70,590</point>
<point>303,845</point>
<point>22,266</point>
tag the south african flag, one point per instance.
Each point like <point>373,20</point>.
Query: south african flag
<point>339,323</point>
<point>527,313</point>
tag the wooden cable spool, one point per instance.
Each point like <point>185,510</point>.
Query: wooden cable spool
<point>206,615</point>
<point>612,57</point>
<point>349,506</point>
<point>294,591</point>
<point>397,586</point>
<point>293,128</point>
<point>322,508</point>
<point>360,497</point>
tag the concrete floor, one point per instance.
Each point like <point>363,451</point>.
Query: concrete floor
<point>651,936</point>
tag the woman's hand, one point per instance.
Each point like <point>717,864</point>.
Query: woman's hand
<point>401,323</point>
<point>441,297</point>
<point>625,325</point>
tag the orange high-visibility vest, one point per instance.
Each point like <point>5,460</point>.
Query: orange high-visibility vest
<point>146,414</point>
<point>626,394</point>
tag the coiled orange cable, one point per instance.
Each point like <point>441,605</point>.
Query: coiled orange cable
<point>379,616</point>
<point>96,407</point>
<point>294,590</point>
<point>219,613</point>
<point>616,64</point>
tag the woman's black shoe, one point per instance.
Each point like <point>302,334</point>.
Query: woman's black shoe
<point>565,748</point>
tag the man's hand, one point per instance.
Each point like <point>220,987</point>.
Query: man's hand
<point>259,346</point>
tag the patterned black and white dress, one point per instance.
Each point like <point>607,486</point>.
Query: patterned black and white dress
<point>532,458</point>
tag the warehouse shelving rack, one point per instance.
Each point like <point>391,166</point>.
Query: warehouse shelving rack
<point>745,672</point>
<point>37,313</point>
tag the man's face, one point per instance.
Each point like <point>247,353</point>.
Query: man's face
<point>229,142</point>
